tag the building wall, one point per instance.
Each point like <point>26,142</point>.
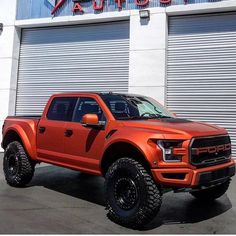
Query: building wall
<point>8,58</point>
<point>148,44</point>
<point>32,9</point>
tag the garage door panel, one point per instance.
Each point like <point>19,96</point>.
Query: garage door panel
<point>84,33</point>
<point>201,76</point>
<point>200,24</point>
<point>91,57</point>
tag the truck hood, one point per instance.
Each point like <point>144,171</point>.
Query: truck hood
<point>185,127</point>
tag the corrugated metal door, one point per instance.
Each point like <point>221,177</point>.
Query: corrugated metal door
<point>201,81</point>
<point>72,58</point>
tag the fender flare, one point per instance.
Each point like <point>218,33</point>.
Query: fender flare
<point>147,154</point>
<point>122,140</point>
<point>28,145</point>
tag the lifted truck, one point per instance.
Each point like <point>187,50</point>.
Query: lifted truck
<point>134,142</point>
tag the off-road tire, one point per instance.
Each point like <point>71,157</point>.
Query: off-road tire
<point>17,166</point>
<point>210,194</point>
<point>145,195</point>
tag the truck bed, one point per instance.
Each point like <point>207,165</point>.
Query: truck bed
<point>23,126</point>
<point>24,117</point>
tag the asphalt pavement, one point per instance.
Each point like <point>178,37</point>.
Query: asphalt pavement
<point>60,201</point>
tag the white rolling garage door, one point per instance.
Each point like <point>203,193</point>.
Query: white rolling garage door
<point>72,58</point>
<point>201,80</point>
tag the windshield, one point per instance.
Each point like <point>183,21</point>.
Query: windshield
<point>127,107</point>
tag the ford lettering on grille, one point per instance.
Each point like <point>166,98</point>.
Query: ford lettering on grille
<point>212,149</point>
<point>208,151</point>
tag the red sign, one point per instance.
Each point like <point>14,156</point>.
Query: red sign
<point>99,6</point>
<point>77,7</point>
<point>58,4</point>
<point>165,1</point>
<point>142,3</point>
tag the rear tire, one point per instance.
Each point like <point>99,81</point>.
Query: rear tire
<point>133,198</point>
<point>17,166</point>
<point>212,193</point>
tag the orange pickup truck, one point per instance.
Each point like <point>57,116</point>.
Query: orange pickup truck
<point>140,148</point>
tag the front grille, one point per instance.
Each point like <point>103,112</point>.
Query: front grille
<point>210,150</point>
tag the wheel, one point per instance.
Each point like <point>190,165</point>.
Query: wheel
<point>133,198</point>
<point>17,166</point>
<point>212,193</point>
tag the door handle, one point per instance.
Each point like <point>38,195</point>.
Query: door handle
<point>68,132</point>
<point>42,129</point>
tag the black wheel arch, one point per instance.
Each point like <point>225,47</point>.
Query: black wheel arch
<point>12,136</point>
<point>9,137</point>
<point>118,150</point>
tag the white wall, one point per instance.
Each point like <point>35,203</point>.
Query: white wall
<point>7,57</point>
<point>148,43</point>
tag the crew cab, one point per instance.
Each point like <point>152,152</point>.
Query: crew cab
<point>139,146</point>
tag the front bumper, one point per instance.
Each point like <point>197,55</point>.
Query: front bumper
<point>184,177</point>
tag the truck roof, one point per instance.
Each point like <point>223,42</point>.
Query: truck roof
<point>97,93</point>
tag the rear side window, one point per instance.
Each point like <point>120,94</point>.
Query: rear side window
<point>62,108</point>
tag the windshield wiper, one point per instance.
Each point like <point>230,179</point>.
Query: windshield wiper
<point>133,118</point>
<point>158,116</point>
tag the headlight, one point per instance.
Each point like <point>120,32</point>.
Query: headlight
<point>172,150</point>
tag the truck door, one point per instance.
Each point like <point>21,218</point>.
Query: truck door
<point>51,129</point>
<point>84,146</point>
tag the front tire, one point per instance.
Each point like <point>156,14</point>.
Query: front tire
<point>210,194</point>
<point>17,166</point>
<point>133,198</point>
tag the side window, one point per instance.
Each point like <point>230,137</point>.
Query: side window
<point>119,108</point>
<point>88,106</point>
<point>62,108</point>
